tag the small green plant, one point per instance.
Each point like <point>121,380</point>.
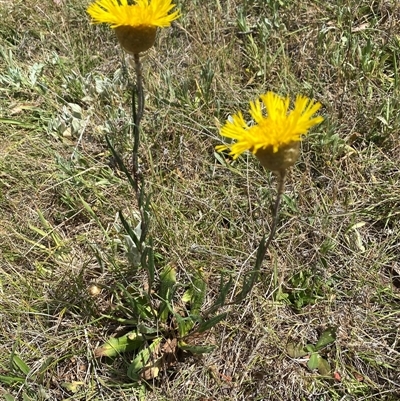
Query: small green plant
<point>18,372</point>
<point>305,289</point>
<point>165,313</point>
<point>165,326</point>
<point>314,352</point>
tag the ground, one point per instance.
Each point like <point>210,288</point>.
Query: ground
<point>333,264</point>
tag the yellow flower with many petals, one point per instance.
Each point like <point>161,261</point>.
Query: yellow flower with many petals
<point>135,22</point>
<point>274,138</point>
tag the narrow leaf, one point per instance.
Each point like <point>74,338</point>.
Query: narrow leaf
<point>147,262</point>
<point>248,283</point>
<point>121,164</point>
<point>196,349</point>
<point>141,359</point>
<point>223,292</point>
<point>139,303</point>
<point>21,365</point>
<point>185,324</point>
<point>208,324</point>
<point>16,122</point>
<point>146,215</point>
<point>43,369</point>
<point>150,263</point>
<point>198,294</point>
<point>130,231</point>
<point>93,215</point>
<point>224,289</point>
<point>167,283</point>
<point>115,346</point>
<point>11,379</point>
<point>260,253</point>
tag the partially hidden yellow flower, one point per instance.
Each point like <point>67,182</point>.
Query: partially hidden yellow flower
<point>275,137</point>
<point>135,22</point>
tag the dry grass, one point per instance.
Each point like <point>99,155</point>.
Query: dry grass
<point>336,250</point>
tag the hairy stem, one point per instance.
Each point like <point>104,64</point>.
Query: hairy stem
<point>141,198</point>
<point>137,114</point>
<point>137,117</point>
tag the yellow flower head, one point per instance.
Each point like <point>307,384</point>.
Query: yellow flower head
<point>135,22</point>
<point>275,134</point>
<point>141,12</point>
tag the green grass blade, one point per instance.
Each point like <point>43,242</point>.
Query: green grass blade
<point>149,263</point>
<point>18,123</point>
<point>93,215</point>
<point>10,380</point>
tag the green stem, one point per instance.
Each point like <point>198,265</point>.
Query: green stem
<point>137,117</point>
<point>252,277</point>
<point>281,187</point>
<point>137,114</point>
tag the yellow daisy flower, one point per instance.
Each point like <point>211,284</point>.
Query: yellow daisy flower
<point>135,22</point>
<point>274,138</point>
